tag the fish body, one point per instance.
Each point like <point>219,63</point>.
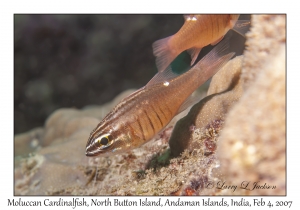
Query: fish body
<point>197,32</point>
<point>141,115</point>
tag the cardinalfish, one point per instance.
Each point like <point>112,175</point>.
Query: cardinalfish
<point>197,32</point>
<point>144,113</point>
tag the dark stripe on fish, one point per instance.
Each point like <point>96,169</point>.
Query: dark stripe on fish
<point>157,116</point>
<point>168,108</point>
<point>162,112</point>
<point>130,128</point>
<point>141,128</point>
<point>150,121</point>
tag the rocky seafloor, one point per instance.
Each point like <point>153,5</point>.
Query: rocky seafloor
<point>235,136</point>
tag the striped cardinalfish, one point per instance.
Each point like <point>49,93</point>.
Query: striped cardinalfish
<point>144,113</point>
<point>197,32</point>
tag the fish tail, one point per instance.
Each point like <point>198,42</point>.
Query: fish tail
<point>215,59</point>
<point>164,54</point>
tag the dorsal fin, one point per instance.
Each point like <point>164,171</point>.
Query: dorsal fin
<point>162,77</point>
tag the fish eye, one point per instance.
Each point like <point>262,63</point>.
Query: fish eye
<point>104,140</point>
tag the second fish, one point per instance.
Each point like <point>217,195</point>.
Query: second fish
<point>197,32</point>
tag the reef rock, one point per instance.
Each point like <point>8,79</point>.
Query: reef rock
<point>252,145</point>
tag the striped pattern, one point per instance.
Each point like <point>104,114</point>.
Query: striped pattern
<point>138,116</point>
<point>198,34</point>
<point>141,115</point>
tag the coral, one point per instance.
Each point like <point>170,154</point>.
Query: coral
<point>265,38</point>
<point>253,142</point>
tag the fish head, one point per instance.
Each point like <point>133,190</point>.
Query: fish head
<point>107,141</point>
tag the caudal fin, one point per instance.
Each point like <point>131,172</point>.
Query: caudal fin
<point>163,53</point>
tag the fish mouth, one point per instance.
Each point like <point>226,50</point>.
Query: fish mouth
<point>90,154</point>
